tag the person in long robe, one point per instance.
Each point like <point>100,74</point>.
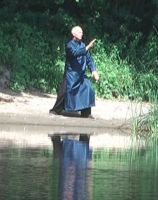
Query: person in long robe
<point>76,92</point>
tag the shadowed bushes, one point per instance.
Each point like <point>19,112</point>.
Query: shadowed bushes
<point>33,36</point>
<point>35,62</point>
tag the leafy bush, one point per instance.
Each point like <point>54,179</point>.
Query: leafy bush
<point>34,62</point>
<point>33,35</point>
<point>115,74</point>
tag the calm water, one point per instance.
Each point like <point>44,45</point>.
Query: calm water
<point>78,172</point>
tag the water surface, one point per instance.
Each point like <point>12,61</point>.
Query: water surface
<point>31,171</point>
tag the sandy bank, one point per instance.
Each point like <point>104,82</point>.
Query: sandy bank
<point>34,109</point>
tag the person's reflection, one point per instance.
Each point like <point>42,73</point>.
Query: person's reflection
<point>74,177</point>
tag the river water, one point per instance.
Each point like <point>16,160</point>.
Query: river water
<point>30,170</point>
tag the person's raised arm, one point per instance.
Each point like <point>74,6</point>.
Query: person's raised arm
<point>90,45</point>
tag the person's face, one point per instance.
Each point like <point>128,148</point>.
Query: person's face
<point>78,34</point>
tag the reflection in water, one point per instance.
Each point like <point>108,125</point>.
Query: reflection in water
<point>73,172</point>
<point>74,177</point>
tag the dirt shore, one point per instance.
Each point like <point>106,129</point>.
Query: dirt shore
<point>34,108</point>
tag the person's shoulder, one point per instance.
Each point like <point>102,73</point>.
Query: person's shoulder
<point>74,44</point>
<point>70,43</point>
<point>83,44</point>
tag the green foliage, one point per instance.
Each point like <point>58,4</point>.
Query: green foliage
<point>147,125</point>
<point>33,61</point>
<point>150,52</point>
<point>33,36</point>
<point>115,74</point>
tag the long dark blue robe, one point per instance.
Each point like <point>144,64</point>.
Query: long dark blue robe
<point>79,91</point>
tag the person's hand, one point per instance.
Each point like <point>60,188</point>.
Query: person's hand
<point>90,45</point>
<point>95,75</point>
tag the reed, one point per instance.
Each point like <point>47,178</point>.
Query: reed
<point>146,126</point>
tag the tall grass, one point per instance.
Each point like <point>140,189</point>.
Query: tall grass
<point>147,125</point>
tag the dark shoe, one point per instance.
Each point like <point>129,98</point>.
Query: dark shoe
<point>91,117</point>
<point>54,112</point>
<point>88,116</point>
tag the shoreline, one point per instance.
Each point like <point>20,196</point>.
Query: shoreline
<point>25,120</point>
<point>34,108</point>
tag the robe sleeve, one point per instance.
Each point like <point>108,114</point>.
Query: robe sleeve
<point>90,62</point>
<point>75,50</point>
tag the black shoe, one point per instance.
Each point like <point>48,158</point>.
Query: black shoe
<point>54,112</point>
<point>88,116</point>
<point>91,117</point>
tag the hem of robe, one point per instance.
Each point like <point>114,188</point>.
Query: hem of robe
<point>79,109</point>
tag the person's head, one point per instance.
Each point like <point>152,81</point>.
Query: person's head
<point>77,32</point>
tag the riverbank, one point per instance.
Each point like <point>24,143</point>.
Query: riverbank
<point>34,108</point>
<point>25,121</point>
